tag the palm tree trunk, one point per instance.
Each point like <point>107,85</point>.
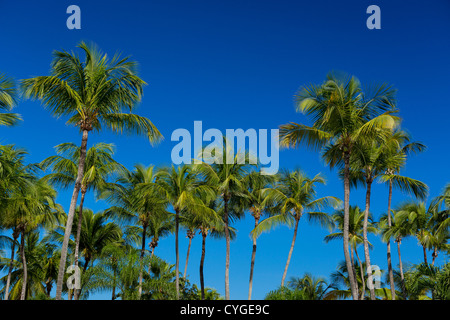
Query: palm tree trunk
<point>227,254</point>
<point>435,254</point>
<point>13,249</point>
<point>24,265</point>
<point>144,231</point>
<point>177,254</point>
<point>77,239</point>
<point>361,268</point>
<point>202,261</point>
<point>348,262</point>
<point>400,265</point>
<point>353,264</point>
<point>73,203</point>
<point>252,263</point>
<point>297,219</point>
<point>390,271</point>
<point>187,254</point>
<point>425,260</point>
<point>366,242</point>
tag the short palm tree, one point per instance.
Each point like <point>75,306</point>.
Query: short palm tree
<point>343,114</point>
<point>95,93</point>
<point>8,99</point>
<point>294,195</point>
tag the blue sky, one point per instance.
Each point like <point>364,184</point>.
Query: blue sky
<point>237,64</point>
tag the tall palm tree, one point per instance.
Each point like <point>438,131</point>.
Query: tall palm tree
<point>397,230</point>
<point>343,114</point>
<point>294,195</point>
<point>183,190</point>
<point>99,166</point>
<point>136,197</point>
<point>225,176</point>
<point>94,93</point>
<point>368,163</point>
<point>356,227</point>
<point>397,147</point>
<point>8,99</point>
<point>255,186</point>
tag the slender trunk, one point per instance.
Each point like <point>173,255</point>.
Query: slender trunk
<point>113,294</point>
<point>177,254</point>
<point>73,203</point>
<point>361,270</point>
<point>252,263</point>
<point>227,254</point>
<point>24,265</point>
<point>400,265</point>
<point>354,267</point>
<point>390,271</point>
<point>144,231</point>
<point>187,255</point>
<point>202,261</point>
<point>77,239</point>
<point>425,260</point>
<point>366,242</point>
<point>297,219</point>
<point>13,249</point>
<point>348,262</point>
<point>435,254</point>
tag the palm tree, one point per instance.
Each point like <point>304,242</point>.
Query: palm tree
<point>94,93</point>
<point>96,234</point>
<point>8,99</point>
<point>208,224</point>
<point>313,288</point>
<point>255,186</point>
<point>416,216</point>
<point>343,114</point>
<point>136,197</point>
<point>356,227</point>
<point>225,176</point>
<point>184,192</point>
<point>29,208</point>
<point>99,166</point>
<point>294,195</point>
<point>395,151</point>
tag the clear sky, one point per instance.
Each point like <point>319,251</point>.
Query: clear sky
<point>237,64</point>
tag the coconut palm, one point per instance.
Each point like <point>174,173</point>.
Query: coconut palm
<point>356,227</point>
<point>395,150</point>
<point>94,94</point>
<point>136,197</point>
<point>343,114</point>
<point>255,186</point>
<point>223,171</point>
<point>8,99</point>
<point>416,216</point>
<point>99,166</point>
<point>294,195</point>
<point>184,191</point>
<point>96,234</point>
<point>29,207</point>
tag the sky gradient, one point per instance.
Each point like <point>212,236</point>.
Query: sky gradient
<point>237,64</point>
